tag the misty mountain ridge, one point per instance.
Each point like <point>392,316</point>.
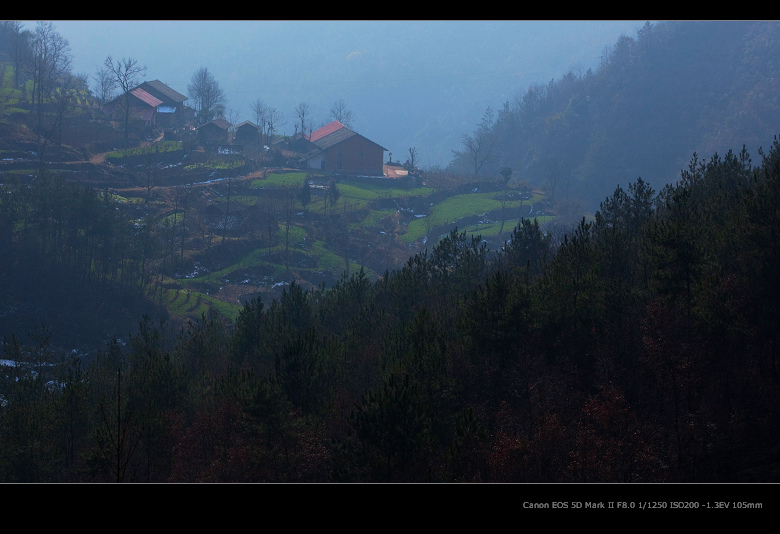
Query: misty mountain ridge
<point>410,83</point>
<point>675,89</point>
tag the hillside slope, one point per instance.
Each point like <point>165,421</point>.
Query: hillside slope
<point>674,89</point>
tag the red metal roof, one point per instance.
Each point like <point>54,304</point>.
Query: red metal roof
<point>146,97</point>
<point>325,130</point>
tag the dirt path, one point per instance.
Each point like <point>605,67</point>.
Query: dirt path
<point>101,158</point>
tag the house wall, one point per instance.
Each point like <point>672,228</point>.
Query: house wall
<point>165,120</point>
<point>212,134</point>
<point>139,110</point>
<point>177,118</point>
<point>356,155</point>
<point>315,163</point>
<point>247,134</point>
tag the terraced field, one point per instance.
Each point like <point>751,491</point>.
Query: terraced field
<point>227,233</point>
<point>319,242</point>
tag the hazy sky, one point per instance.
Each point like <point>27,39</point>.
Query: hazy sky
<point>409,84</point>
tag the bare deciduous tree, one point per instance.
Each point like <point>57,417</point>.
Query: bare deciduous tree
<point>341,113</point>
<point>267,119</point>
<point>63,100</point>
<point>258,108</point>
<point>479,145</point>
<point>232,117</point>
<point>48,63</point>
<point>302,112</point>
<point>208,97</point>
<point>273,120</point>
<point>126,73</point>
<point>19,46</point>
<point>105,85</point>
<point>411,163</point>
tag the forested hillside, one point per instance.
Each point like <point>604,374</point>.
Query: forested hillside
<point>639,345</point>
<point>642,348</point>
<point>673,89</point>
<point>114,219</point>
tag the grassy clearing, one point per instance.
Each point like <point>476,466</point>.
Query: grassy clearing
<point>452,209</point>
<point>492,229</point>
<point>257,257</point>
<point>170,220</point>
<point>126,200</point>
<point>325,259</point>
<point>253,258</point>
<point>380,189</point>
<point>459,206</point>
<point>266,267</point>
<point>329,260</point>
<point>188,303</point>
<point>9,96</point>
<point>216,165</point>
<point>280,179</point>
<point>20,172</point>
<point>244,200</point>
<point>297,234</point>
<point>417,229</point>
<point>183,302</point>
<point>373,218</point>
<point>358,195</point>
<point>158,148</point>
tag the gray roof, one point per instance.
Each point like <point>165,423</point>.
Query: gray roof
<point>247,123</point>
<point>218,122</point>
<point>332,139</point>
<point>340,135</point>
<point>167,92</point>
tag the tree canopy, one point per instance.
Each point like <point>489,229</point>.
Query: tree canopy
<point>207,96</point>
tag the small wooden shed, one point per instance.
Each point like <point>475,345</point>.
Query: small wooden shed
<point>213,132</point>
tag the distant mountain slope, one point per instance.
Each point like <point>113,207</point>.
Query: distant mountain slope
<point>674,89</point>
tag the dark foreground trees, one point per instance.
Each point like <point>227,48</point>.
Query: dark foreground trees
<point>640,348</point>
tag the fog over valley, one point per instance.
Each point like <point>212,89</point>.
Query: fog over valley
<point>409,84</point>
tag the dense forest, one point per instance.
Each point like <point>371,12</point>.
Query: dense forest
<point>640,345</point>
<point>643,347</point>
<point>675,88</point>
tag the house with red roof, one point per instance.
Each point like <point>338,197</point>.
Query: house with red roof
<point>142,107</point>
<point>172,112</point>
<point>152,102</point>
<point>337,149</point>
